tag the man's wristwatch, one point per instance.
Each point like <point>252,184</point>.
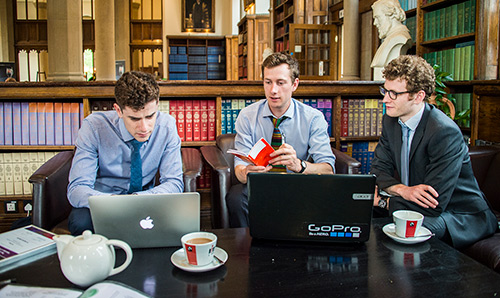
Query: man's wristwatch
<point>303,164</point>
<point>382,203</point>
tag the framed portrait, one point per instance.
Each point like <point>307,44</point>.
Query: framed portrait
<point>198,16</point>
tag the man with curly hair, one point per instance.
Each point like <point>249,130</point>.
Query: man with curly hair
<point>106,142</point>
<point>422,160</point>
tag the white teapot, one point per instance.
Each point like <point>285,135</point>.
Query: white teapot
<point>89,258</point>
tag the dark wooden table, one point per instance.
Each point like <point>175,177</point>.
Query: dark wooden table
<point>379,268</point>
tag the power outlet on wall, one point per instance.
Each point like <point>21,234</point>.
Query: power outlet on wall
<point>11,207</point>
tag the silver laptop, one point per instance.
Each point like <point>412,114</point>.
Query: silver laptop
<point>152,220</point>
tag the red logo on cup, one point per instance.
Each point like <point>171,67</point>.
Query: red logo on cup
<point>191,254</point>
<point>411,227</point>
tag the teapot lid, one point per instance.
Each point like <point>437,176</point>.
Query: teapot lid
<point>88,238</point>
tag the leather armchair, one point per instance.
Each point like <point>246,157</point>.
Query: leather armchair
<point>51,207</point>
<point>223,176</point>
<point>486,166</point>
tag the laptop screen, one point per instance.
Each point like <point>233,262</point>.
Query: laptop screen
<point>329,208</point>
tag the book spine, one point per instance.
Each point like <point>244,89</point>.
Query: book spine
<point>2,174</point>
<point>380,115</point>
<point>204,120</point>
<point>75,121</point>
<point>188,105</point>
<point>211,120</point>
<point>41,123</point>
<point>67,129</point>
<point>25,123</point>
<point>235,109</point>
<point>181,122</point>
<point>223,117</point>
<point>2,126</point>
<point>356,121</point>
<point>82,115</point>
<point>328,115</point>
<point>16,123</point>
<point>344,118</point>
<point>58,124</point>
<point>8,174</point>
<point>26,173</point>
<point>196,120</point>
<point>33,123</point>
<point>18,173</point>
<point>49,124</point>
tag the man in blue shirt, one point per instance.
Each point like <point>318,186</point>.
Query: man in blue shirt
<point>102,161</point>
<point>304,133</point>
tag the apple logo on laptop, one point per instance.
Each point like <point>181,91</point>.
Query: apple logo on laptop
<point>147,223</point>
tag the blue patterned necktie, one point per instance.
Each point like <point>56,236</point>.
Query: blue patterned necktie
<point>135,167</point>
<point>277,141</point>
<point>405,154</point>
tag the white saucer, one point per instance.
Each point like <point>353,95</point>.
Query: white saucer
<point>390,230</point>
<point>178,258</point>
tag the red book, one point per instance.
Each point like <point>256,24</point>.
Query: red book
<point>344,118</point>
<point>180,120</point>
<point>188,106</point>
<point>173,109</point>
<point>211,120</point>
<point>204,120</point>
<point>196,120</point>
<point>67,123</point>
<point>75,121</point>
<point>258,155</point>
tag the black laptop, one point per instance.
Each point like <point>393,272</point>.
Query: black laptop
<point>324,208</point>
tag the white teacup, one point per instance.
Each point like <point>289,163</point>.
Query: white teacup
<point>199,247</point>
<point>407,223</point>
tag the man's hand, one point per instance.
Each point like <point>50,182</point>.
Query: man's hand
<point>286,155</point>
<point>423,195</point>
<point>242,171</point>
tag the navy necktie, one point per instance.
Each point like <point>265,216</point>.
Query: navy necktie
<point>135,167</point>
<point>405,154</point>
<point>277,140</point>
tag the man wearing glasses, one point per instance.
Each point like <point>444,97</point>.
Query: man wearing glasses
<point>422,161</point>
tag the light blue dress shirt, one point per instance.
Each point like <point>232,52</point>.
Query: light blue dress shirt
<point>305,129</point>
<point>101,164</point>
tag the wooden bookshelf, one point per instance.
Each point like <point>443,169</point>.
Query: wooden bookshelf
<point>253,39</point>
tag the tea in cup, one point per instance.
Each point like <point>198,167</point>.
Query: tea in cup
<point>407,223</point>
<point>199,247</point>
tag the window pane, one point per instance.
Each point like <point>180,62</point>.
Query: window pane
<point>32,10</point>
<point>88,63</point>
<point>42,9</point>
<point>43,58</point>
<point>157,9</point>
<point>146,10</point>
<point>148,58</point>
<point>23,66</point>
<point>157,57</point>
<point>136,9</point>
<point>87,9</point>
<point>21,9</point>
<point>136,60</point>
<point>33,66</point>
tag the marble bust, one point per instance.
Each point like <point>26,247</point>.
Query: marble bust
<point>388,17</point>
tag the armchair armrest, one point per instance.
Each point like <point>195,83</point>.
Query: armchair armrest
<point>50,182</point>
<point>344,164</point>
<point>192,165</point>
<point>221,183</point>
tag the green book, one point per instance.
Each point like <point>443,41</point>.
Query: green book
<point>451,63</point>
<point>454,20</point>
<point>447,20</point>
<point>467,17</point>
<point>467,57</point>
<point>472,62</point>
<point>426,26</point>
<point>442,23</point>
<point>458,105</point>
<point>460,18</point>
<point>458,64</point>
<point>473,16</point>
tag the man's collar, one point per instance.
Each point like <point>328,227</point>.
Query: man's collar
<point>290,112</point>
<point>124,132</point>
<point>413,122</point>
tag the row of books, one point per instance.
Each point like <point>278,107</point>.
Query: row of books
<point>17,167</point>
<point>40,123</point>
<point>458,61</point>
<point>280,46</point>
<point>232,107</point>
<point>197,50</point>
<point>453,20</point>
<point>195,118</point>
<point>408,4</point>
<point>411,24</point>
<point>362,152</point>
<point>361,117</point>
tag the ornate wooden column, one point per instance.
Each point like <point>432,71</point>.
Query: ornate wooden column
<point>105,39</point>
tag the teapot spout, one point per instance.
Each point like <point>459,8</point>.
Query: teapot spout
<point>61,242</point>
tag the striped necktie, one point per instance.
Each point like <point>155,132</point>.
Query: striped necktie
<point>405,154</point>
<point>277,141</point>
<point>135,167</point>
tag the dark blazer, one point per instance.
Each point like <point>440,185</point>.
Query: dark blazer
<point>439,157</point>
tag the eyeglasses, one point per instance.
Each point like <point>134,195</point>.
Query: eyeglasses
<point>392,94</point>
